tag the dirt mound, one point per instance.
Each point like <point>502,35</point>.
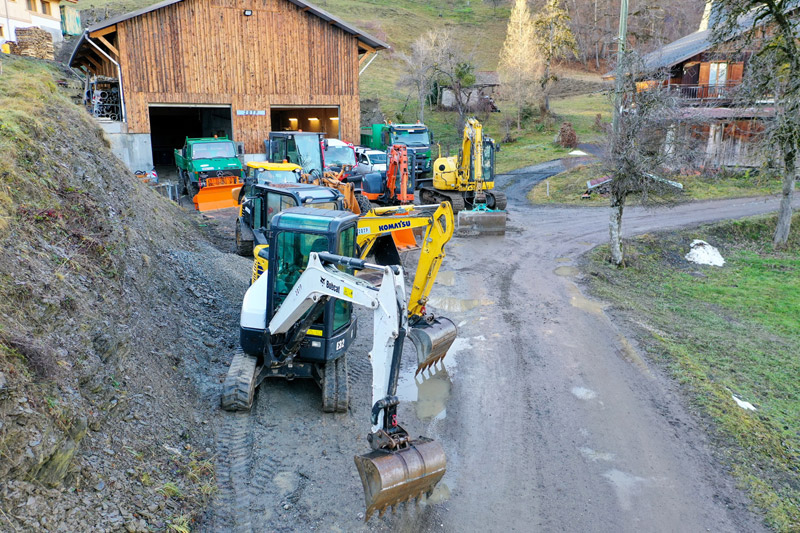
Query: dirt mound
<point>111,299</point>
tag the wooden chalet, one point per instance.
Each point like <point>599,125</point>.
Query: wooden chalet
<point>704,76</point>
<point>238,67</point>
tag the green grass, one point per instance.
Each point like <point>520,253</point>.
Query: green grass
<point>567,187</point>
<point>723,332</point>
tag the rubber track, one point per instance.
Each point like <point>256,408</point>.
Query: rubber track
<point>430,195</point>
<point>500,199</point>
<point>238,388</point>
<point>335,392</point>
<point>342,388</point>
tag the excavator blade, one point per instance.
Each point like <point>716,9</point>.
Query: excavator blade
<point>393,477</point>
<point>483,222</point>
<point>432,339</point>
<point>215,197</point>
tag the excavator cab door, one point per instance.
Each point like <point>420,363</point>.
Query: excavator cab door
<point>294,234</point>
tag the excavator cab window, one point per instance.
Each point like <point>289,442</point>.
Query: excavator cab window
<point>294,249</point>
<point>488,161</point>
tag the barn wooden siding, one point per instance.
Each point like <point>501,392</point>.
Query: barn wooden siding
<point>208,52</point>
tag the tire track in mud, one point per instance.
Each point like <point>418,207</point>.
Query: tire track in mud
<point>234,473</point>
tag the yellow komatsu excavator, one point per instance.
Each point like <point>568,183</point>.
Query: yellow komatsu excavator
<point>467,182</point>
<point>439,332</point>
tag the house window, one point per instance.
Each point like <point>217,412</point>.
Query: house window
<point>46,8</point>
<point>718,74</point>
<point>31,5</point>
<point>2,32</point>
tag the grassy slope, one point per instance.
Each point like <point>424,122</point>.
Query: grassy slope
<point>78,234</point>
<point>567,187</point>
<point>722,332</point>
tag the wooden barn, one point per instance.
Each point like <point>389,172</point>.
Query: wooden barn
<point>238,67</point>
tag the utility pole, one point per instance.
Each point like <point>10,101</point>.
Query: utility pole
<point>622,41</point>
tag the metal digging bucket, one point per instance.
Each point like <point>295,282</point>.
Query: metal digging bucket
<point>390,478</point>
<point>432,338</point>
<point>482,221</point>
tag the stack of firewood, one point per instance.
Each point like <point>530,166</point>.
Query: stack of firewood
<point>33,42</point>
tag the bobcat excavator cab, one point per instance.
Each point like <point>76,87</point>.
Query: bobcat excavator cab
<point>467,181</point>
<point>297,322</point>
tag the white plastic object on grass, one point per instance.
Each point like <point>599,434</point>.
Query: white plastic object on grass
<point>703,253</point>
<point>743,404</point>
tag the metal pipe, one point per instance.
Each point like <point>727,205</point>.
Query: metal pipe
<point>119,76</point>
<point>368,63</point>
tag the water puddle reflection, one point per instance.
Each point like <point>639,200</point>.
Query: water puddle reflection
<point>430,390</point>
<point>449,303</point>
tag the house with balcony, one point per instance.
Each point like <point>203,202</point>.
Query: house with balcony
<point>705,75</point>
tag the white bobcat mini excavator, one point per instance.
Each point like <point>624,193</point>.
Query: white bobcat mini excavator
<point>297,322</point>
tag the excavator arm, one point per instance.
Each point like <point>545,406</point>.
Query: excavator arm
<point>398,468</point>
<point>320,281</point>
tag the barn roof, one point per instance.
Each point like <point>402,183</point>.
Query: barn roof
<point>365,38</point>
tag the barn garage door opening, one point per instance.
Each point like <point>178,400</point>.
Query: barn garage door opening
<point>169,127</point>
<point>318,119</point>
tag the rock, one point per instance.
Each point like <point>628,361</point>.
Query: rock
<point>100,485</point>
<point>2,381</point>
<point>53,470</point>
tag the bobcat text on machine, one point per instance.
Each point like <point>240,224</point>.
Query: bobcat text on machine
<point>467,182</point>
<point>297,322</point>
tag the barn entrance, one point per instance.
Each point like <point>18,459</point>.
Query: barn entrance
<point>324,119</point>
<point>170,125</point>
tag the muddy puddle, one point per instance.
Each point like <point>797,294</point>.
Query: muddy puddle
<point>452,304</point>
<point>429,391</point>
<point>566,271</point>
<point>581,302</point>
<point>446,278</point>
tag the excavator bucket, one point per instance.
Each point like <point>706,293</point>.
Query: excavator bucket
<point>217,196</point>
<point>482,221</point>
<point>432,338</point>
<point>394,477</point>
<point>404,240</point>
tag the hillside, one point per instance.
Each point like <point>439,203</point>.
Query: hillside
<point>100,416</point>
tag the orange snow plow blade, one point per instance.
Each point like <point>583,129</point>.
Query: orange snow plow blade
<point>217,194</point>
<point>394,477</point>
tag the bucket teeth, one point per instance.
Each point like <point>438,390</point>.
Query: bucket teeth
<point>432,339</point>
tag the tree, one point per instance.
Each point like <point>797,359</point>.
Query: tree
<point>770,27</point>
<point>644,146</point>
<point>455,69</point>
<point>519,67</point>
<point>422,63</point>
<point>553,39</point>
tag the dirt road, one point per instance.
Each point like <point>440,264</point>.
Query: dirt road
<point>550,418</point>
